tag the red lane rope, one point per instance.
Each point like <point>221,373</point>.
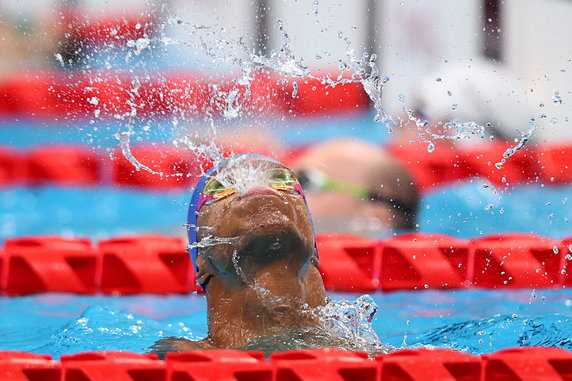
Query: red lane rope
<point>524,363</point>
<point>415,261</point>
<point>84,95</point>
<point>81,165</point>
<point>548,163</point>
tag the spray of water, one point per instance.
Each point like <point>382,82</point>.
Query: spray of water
<point>243,175</point>
<point>347,322</point>
<point>341,324</point>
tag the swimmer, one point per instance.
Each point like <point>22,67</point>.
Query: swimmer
<point>355,187</point>
<point>254,251</point>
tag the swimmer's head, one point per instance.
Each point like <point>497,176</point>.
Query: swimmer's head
<point>246,213</point>
<point>355,187</point>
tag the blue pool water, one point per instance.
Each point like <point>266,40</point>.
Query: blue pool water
<point>463,210</point>
<point>61,323</point>
<point>290,131</point>
<point>476,321</point>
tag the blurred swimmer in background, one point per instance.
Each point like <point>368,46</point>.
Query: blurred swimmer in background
<point>474,102</point>
<point>356,187</point>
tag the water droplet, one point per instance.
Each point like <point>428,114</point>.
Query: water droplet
<point>401,97</point>
<point>556,98</point>
<point>294,89</point>
<point>430,147</point>
<point>555,249</point>
<point>438,79</point>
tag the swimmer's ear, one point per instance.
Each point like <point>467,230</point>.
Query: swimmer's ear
<point>205,270</point>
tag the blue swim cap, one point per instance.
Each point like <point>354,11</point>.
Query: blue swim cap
<point>193,212</point>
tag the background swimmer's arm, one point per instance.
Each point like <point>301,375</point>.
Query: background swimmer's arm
<point>177,344</point>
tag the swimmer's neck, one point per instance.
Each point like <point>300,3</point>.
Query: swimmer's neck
<point>279,300</point>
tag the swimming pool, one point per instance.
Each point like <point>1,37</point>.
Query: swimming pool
<point>63,323</point>
<point>474,321</point>
<point>59,324</point>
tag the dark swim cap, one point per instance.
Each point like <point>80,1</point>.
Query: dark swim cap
<point>194,213</point>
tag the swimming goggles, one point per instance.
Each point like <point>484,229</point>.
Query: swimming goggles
<point>281,179</point>
<point>313,179</point>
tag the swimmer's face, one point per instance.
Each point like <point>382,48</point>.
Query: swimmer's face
<point>260,221</point>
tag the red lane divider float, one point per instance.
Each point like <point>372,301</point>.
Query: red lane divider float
<point>173,168</point>
<point>556,163</point>
<point>528,364</point>
<point>218,365</point>
<point>12,166</point>
<point>323,364</point>
<point>447,164</point>
<point>145,264</point>
<point>417,261</point>
<point>46,264</point>
<point>414,261</point>
<point>517,260</point>
<point>94,29</point>
<point>78,165</point>
<point>517,364</point>
<point>179,169</point>
<point>101,366</point>
<point>430,365</point>
<point>24,366</point>
<point>348,262</point>
<point>85,95</point>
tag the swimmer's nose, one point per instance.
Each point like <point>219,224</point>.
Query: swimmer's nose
<point>259,191</point>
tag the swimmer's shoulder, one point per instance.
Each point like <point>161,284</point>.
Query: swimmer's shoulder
<point>178,344</point>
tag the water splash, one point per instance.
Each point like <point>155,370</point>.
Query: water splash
<point>210,241</point>
<point>525,137</point>
<point>352,321</point>
<point>243,175</point>
<point>342,324</point>
<point>229,102</point>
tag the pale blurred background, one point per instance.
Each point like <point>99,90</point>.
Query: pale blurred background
<point>525,40</point>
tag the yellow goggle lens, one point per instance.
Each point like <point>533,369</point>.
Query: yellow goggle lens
<point>282,179</point>
<point>223,193</point>
<point>216,190</point>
